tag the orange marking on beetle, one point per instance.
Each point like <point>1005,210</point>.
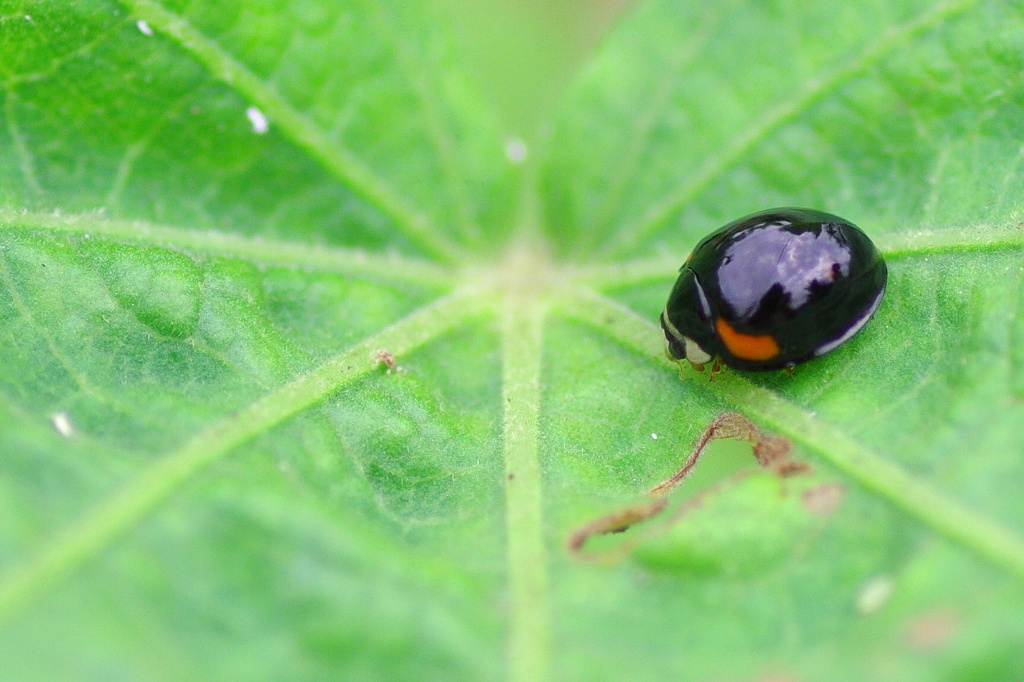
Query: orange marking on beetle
<point>746,346</point>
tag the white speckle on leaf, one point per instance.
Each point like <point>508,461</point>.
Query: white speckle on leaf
<point>874,594</point>
<point>28,17</point>
<point>515,150</point>
<point>654,436</point>
<point>144,27</point>
<point>259,120</point>
<point>62,424</point>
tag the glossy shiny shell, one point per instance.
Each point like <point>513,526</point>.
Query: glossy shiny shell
<point>774,289</point>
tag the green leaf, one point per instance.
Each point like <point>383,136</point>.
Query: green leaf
<point>213,216</point>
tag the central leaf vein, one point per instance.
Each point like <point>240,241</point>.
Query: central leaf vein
<point>527,560</point>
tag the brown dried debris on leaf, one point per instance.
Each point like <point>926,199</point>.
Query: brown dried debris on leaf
<point>387,358</point>
<point>772,453</point>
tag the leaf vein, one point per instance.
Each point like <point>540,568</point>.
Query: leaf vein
<point>341,162</point>
<point>136,149</point>
<point>914,244</point>
<point>527,561</point>
<point>777,116</point>
<point>81,381</point>
<point>25,160</point>
<point>388,267</point>
<point>971,530</point>
<point>439,134</point>
<point>646,119</point>
<point>97,529</point>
